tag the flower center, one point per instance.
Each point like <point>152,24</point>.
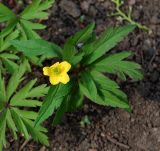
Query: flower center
<point>56,71</point>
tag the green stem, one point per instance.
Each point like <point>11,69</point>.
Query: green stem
<point>128,17</point>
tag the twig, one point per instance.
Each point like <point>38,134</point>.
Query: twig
<point>127,17</point>
<point>24,144</point>
<point>114,141</point>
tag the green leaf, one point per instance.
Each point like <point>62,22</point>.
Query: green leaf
<point>5,13</point>
<point>104,80</point>
<point>115,64</point>
<point>83,35</point>
<point>111,99</point>
<point>11,124</point>
<point>60,112</point>
<point>29,33</point>
<point>76,101</point>
<point>32,25</point>
<point>46,5</point>
<point>38,91</point>
<point>10,26</point>
<point>27,114</point>
<point>52,101</point>
<point>77,58</point>
<point>37,47</point>
<point>9,56</point>
<point>36,10</point>
<point>10,65</point>
<point>3,129</point>
<point>30,10</point>
<point>36,132</point>
<point>23,35</point>
<point>2,90</point>
<point>87,82</point>
<point>80,37</point>
<point>22,93</point>
<point>70,104</point>
<point>19,123</point>
<point>107,41</point>
<point>6,42</point>
<point>85,91</point>
<point>15,79</point>
<point>105,83</point>
<point>27,103</point>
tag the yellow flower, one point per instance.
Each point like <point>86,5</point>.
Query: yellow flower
<point>58,72</point>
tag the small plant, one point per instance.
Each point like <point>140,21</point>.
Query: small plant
<point>21,26</point>
<point>79,73</point>
<point>15,105</point>
<point>126,17</point>
<point>23,21</point>
<point>85,121</point>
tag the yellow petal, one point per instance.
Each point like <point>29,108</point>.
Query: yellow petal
<point>54,65</point>
<point>54,80</point>
<point>65,66</point>
<point>46,71</point>
<point>64,78</point>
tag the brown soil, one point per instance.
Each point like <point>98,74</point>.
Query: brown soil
<point>110,129</point>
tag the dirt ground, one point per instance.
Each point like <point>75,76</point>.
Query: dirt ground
<point>110,129</point>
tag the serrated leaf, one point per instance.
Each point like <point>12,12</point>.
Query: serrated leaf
<point>32,25</point>
<point>80,37</point>
<point>37,47</point>
<point>114,64</point>
<point>76,101</point>
<point>2,90</point>
<point>9,28</point>
<point>107,41</point>
<point>6,42</point>
<point>104,80</point>
<point>15,79</point>
<point>9,56</point>
<point>84,90</point>
<point>38,91</point>
<point>22,93</point>
<point>52,101</point>
<point>36,10</point>
<point>104,83</point>
<point>86,81</point>
<point>10,65</point>
<point>11,124</point>
<point>27,103</point>
<point>60,112</point>
<point>27,114</point>
<point>5,13</point>
<point>46,5</point>
<point>30,10</point>
<point>77,58</point>
<point>114,101</point>
<point>36,132</point>
<point>29,33</point>
<point>2,129</point>
<point>19,123</point>
<point>23,35</point>
<point>70,104</point>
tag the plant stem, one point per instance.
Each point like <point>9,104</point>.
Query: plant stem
<point>127,17</point>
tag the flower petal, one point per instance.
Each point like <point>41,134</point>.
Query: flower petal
<point>46,71</point>
<point>54,80</point>
<point>65,66</point>
<point>54,65</point>
<point>64,78</point>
